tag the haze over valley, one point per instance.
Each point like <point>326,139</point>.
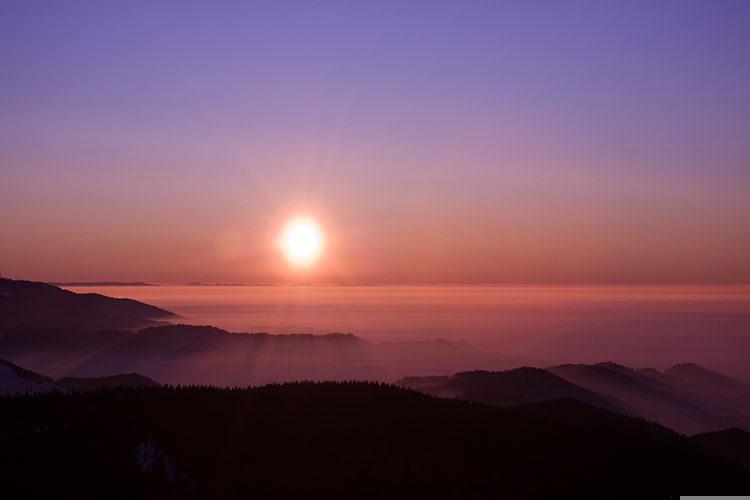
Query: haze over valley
<point>636,325</point>
<point>456,250</point>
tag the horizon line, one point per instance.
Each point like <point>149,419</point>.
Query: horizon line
<point>197,284</point>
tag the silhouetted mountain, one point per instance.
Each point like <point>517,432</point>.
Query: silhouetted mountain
<point>200,283</point>
<point>102,283</point>
<point>95,383</point>
<point>185,354</point>
<point>86,335</point>
<point>507,388</point>
<point>28,303</point>
<point>17,380</point>
<point>732,443</point>
<point>674,398</point>
<point>57,332</point>
<point>709,386</point>
<point>342,440</point>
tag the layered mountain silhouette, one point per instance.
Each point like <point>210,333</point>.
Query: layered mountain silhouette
<point>687,397</point>
<point>102,283</point>
<point>707,385</point>
<point>72,336</point>
<point>29,303</point>
<point>186,354</point>
<point>341,440</point>
<point>62,334</point>
<point>15,380</point>
<point>508,388</point>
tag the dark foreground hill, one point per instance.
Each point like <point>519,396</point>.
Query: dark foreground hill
<point>96,383</point>
<point>734,443</point>
<point>340,440</point>
<point>30,303</point>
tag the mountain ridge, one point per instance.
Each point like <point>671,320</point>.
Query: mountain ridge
<point>512,387</point>
<point>670,399</point>
<point>332,436</point>
<point>31,303</point>
<point>15,380</point>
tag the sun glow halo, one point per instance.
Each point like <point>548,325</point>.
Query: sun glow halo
<point>302,241</point>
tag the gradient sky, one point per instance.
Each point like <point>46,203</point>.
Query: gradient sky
<point>433,141</point>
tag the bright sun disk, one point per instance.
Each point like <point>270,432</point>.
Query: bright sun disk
<point>302,241</point>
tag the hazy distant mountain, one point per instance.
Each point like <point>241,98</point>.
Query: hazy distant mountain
<point>94,383</point>
<point>28,303</point>
<point>200,283</point>
<point>687,398</point>
<point>185,354</point>
<point>102,283</point>
<point>707,386</point>
<point>63,334</point>
<point>17,380</point>
<point>663,397</point>
<point>88,335</point>
<point>343,440</point>
<point>507,388</point>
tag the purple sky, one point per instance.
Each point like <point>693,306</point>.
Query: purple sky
<point>433,141</point>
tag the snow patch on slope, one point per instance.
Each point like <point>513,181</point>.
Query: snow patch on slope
<point>11,382</point>
<point>152,460</point>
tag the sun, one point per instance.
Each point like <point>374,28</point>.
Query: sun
<point>302,241</point>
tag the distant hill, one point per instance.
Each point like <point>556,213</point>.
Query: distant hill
<point>187,354</point>
<point>102,283</point>
<point>687,398</point>
<point>707,385</point>
<point>507,388</point>
<point>17,380</point>
<point>63,334</point>
<point>340,440</point>
<point>28,303</point>
<point>95,383</point>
